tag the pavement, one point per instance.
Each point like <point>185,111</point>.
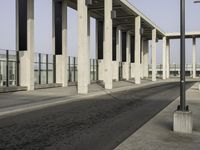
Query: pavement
<point>23,101</point>
<point>157,133</point>
<point>98,122</point>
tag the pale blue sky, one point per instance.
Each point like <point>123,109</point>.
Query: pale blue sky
<point>165,13</point>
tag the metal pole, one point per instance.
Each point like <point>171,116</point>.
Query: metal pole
<point>39,70</point>
<point>69,80</point>
<point>47,68</point>
<point>7,72</point>
<point>182,52</point>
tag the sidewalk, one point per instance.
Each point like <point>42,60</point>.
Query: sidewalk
<point>157,133</point>
<point>17,102</point>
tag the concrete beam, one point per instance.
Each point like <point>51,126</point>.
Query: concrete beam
<point>108,44</point>
<point>154,71</point>
<point>137,50</point>
<point>83,48</point>
<point>194,57</point>
<point>164,57</point>
<point>26,57</point>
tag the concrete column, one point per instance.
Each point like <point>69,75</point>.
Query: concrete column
<point>88,23</point>
<point>164,57</point>
<point>194,57</point>
<point>108,44</point>
<point>61,60</point>
<point>146,59</point>
<point>137,49</point>
<point>100,61</point>
<point>128,57</point>
<point>26,57</point>
<point>154,71</point>
<point>142,59</point>
<point>118,52</point>
<point>83,48</point>
<point>168,59</point>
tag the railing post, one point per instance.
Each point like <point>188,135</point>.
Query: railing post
<point>17,68</point>
<point>97,69</point>
<point>39,71</point>
<point>47,69</point>
<point>69,70</point>
<point>94,69</point>
<point>7,67</point>
<point>54,68</point>
<point>74,69</point>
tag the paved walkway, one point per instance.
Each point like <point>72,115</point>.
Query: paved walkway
<point>157,134</point>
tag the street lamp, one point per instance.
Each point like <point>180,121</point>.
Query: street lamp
<point>182,106</point>
<point>182,117</point>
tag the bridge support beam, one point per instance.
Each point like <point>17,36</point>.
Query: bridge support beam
<point>154,40</point>
<point>145,59</point>
<point>25,42</point>
<point>127,63</point>
<point>108,80</point>
<point>164,58</point>
<point>194,57</point>
<point>168,59</point>
<point>137,50</point>
<point>83,48</point>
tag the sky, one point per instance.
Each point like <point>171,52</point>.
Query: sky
<point>164,13</point>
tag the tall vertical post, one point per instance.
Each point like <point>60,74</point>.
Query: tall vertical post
<point>194,57</point>
<point>25,41</point>
<point>142,58</point>
<point>182,53</point>
<point>59,40</point>
<point>128,57</point>
<point>164,58</point>
<point>168,59</point>
<point>137,49</point>
<point>83,47</point>
<point>183,117</point>
<point>108,44</point>
<point>118,52</point>
<point>146,59</point>
<point>154,71</point>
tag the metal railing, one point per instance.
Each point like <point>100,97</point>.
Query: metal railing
<point>9,75</point>
<point>72,69</point>
<point>44,68</point>
<point>94,70</point>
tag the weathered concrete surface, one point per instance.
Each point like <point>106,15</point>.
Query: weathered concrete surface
<point>157,134</point>
<point>100,122</point>
<point>183,122</point>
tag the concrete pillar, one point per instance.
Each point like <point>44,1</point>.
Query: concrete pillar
<point>137,50</point>
<point>61,60</point>
<point>128,57</point>
<point>146,59</point>
<point>194,57</point>
<point>164,57</point>
<point>88,23</point>
<point>168,59</point>
<point>154,71</point>
<point>118,53</point>
<point>99,29</point>
<point>142,59</point>
<point>26,57</point>
<point>108,44</point>
<point>83,48</point>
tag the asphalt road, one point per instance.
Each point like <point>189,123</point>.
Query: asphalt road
<point>99,123</point>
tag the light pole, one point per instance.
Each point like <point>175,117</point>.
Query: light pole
<point>183,122</point>
<point>182,106</point>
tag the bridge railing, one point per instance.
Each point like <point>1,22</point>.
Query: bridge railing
<point>8,68</point>
<point>44,68</point>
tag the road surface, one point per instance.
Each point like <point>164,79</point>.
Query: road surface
<point>99,123</point>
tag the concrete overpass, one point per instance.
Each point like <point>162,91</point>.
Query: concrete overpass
<point>123,33</point>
